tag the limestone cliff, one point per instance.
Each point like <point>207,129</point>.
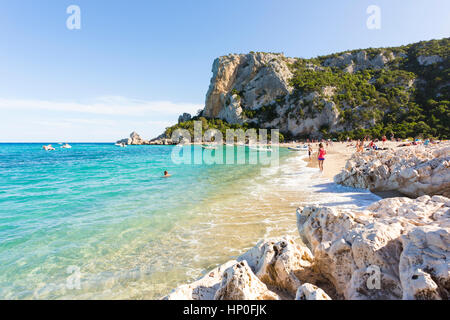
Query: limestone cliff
<point>259,77</point>
<point>337,93</point>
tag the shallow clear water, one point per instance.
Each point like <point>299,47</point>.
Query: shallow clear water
<point>107,213</point>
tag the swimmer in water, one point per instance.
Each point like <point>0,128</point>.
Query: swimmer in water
<point>166,174</point>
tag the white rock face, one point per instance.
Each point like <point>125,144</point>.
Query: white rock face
<point>328,116</point>
<point>397,248</point>
<point>255,80</point>
<point>424,263</point>
<point>203,289</point>
<point>414,171</point>
<point>352,62</point>
<point>309,291</point>
<point>232,111</point>
<point>240,283</point>
<point>280,263</point>
<point>261,76</point>
<point>428,60</point>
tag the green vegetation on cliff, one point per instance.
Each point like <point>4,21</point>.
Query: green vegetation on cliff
<point>372,92</point>
<point>404,97</point>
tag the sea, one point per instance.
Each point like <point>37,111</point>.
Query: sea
<point>98,221</point>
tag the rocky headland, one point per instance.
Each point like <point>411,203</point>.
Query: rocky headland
<point>366,92</point>
<point>136,140</point>
<point>338,93</point>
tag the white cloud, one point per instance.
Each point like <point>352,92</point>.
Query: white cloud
<point>112,105</point>
<point>102,119</point>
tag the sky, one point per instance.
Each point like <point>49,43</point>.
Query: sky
<point>136,65</point>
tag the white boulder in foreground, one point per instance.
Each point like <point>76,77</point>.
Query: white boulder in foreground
<point>309,291</point>
<point>280,263</point>
<point>202,289</point>
<point>270,270</point>
<point>396,249</point>
<point>240,283</point>
<point>414,171</point>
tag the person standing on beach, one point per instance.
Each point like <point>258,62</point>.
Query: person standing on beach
<point>321,158</point>
<point>309,151</point>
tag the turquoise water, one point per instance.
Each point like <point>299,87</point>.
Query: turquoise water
<point>108,212</point>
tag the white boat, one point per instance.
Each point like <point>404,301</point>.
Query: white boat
<point>48,148</point>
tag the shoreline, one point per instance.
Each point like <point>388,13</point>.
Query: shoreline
<point>302,176</point>
<point>227,223</point>
<point>270,270</point>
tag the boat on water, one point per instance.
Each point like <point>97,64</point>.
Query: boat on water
<point>48,148</point>
<point>66,146</point>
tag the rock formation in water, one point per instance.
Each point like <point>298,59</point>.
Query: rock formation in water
<point>414,170</point>
<point>397,248</point>
<point>135,139</point>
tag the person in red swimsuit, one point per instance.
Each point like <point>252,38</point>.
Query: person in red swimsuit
<point>321,157</point>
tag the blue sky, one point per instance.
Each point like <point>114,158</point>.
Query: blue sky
<point>137,65</point>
